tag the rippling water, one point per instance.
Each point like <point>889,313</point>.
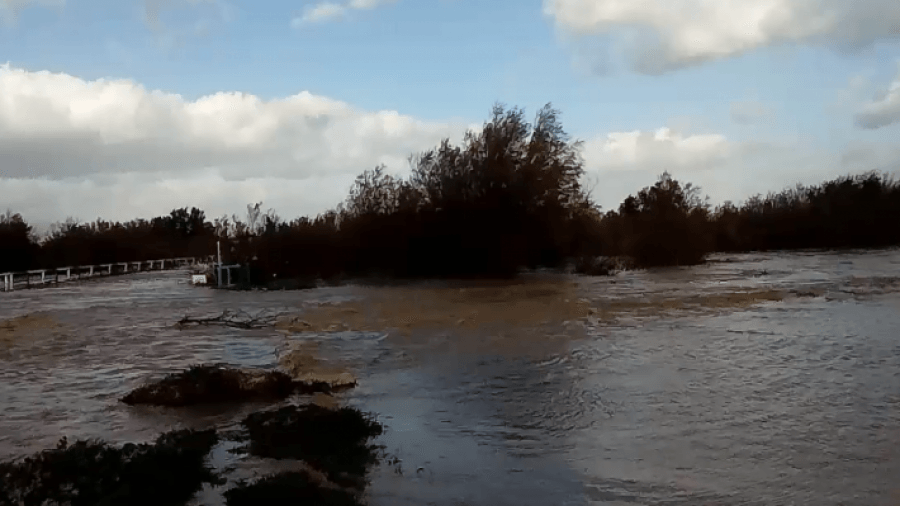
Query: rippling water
<point>686,396</point>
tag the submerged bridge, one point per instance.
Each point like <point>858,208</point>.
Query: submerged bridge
<point>10,281</point>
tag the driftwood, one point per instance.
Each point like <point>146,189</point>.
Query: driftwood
<point>228,318</point>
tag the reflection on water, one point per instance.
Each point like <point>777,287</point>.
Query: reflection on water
<point>768,379</point>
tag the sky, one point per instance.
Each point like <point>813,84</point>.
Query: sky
<point>123,109</point>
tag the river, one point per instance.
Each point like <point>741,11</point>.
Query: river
<point>756,379</point>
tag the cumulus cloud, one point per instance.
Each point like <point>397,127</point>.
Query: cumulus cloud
<point>116,139</point>
<point>330,11</point>
<point>883,111</point>
<point>622,163</point>
<point>43,201</point>
<point>663,35</point>
<point>662,149</point>
<point>57,125</point>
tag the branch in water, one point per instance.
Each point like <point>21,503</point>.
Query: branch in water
<point>239,319</point>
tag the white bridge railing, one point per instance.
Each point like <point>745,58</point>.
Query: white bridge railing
<point>10,281</point>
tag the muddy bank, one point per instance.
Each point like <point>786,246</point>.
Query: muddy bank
<point>213,384</point>
<point>88,473</point>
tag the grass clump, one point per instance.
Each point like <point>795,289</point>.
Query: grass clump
<point>330,440</point>
<point>90,473</point>
<point>203,384</point>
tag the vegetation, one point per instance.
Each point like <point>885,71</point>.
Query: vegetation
<point>205,384</point>
<point>509,198</point>
<point>331,441</point>
<point>88,473</point>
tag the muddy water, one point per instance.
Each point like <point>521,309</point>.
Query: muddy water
<point>770,379</point>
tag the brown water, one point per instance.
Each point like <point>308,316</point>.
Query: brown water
<point>770,379</point>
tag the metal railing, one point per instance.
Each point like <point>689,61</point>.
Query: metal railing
<point>10,281</point>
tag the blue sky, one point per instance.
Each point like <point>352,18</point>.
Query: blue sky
<point>756,95</point>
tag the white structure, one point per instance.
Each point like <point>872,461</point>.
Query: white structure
<point>12,280</point>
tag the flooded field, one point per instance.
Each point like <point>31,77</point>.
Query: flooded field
<point>759,379</point>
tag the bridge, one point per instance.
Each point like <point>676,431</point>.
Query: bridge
<point>10,281</point>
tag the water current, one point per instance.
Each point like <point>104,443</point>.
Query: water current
<point>756,379</point>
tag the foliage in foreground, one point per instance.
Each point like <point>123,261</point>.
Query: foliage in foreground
<point>331,441</point>
<point>90,473</point>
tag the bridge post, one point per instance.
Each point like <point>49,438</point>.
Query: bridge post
<point>43,277</point>
<point>110,269</point>
<point>92,271</point>
<point>68,273</point>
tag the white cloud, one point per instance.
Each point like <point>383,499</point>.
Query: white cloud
<point>330,11</point>
<point>884,110</point>
<point>624,162</point>
<point>663,148</point>
<point>61,126</point>
<point>111,142</point>
<point>663,35</point>
<point>128,196</point>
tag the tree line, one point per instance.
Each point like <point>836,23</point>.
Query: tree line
<point>508,198</point>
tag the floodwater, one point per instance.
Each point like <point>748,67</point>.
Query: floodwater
<point>757,379</point>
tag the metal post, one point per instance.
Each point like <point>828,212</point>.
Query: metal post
<point>229,277</point>
<point>219,250</point>
<point>43,277</point>
<point>92,271</point>
<point>68,273</point>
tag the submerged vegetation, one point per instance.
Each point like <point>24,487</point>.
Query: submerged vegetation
<point>509,198</point>
<point>88,473</point>
<point>213,384</point>
<point>288,488</point>
<point>330,440</point>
